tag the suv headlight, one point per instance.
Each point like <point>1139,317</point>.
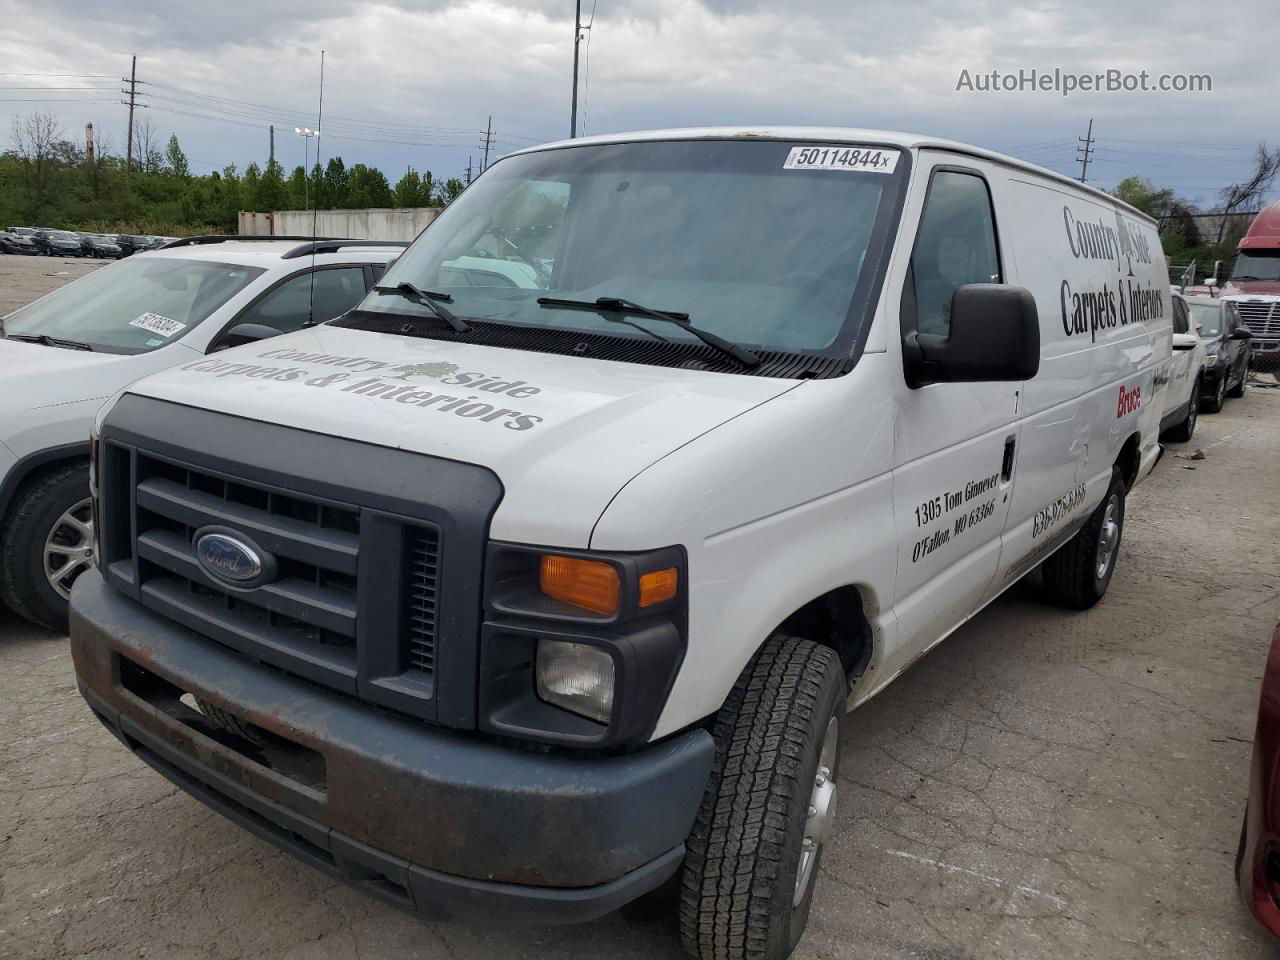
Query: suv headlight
<point>578,646</point>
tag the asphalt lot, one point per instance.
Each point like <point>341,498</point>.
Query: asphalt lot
<point>1044,784</point>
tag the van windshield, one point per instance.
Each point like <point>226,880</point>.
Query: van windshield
<point>1257,265</point>
<point>734,234</point>
<point>133,306</point>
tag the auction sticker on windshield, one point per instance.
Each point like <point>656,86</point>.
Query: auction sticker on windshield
<point>158,324</point>
<point>855,159</point>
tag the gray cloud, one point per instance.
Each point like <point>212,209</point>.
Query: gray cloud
<point>414,82</point>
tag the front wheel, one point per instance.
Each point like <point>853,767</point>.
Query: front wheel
<point>1080,572</point>
<point>1214,402</point>
<point>1237,391</point>
<point>753,855</point>
<point>46,543</point>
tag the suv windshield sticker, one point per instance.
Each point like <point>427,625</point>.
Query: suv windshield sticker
<point>158,324</point>
<point>854,159</point>
<point>394,385</point>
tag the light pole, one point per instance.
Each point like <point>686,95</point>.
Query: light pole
<point>306,133</point>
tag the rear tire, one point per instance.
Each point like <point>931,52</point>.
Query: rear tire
<point>753,855</point>
<point>1182,432</point>
<point>48,531</point>
<point>1080,572</point>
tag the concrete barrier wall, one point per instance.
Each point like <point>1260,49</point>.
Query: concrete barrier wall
<point>399,223</point>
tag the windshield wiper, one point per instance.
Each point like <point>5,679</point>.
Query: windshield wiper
<point>431,300</point>
<point>618,305</point>
<point>49,341</point>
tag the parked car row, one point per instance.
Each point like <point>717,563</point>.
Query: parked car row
<point>69,243</point>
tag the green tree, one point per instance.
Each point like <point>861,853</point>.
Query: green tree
<point>175,161</point>
<point>1141,193</point>
<point>249,185</point>
<point>368,187</point>
<point>415,189</point>
<point>299,189</point>
<point>452,187</point>
<point>272,193</point>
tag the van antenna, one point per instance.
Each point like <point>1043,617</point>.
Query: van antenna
<point>315,209</point>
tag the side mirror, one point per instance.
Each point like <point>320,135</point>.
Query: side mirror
<point>1241,333</point>
<point>243,333</point>
<point>1185,341</point>
<point>995,336</point>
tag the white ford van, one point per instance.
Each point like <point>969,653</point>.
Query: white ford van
<point>515,593</point>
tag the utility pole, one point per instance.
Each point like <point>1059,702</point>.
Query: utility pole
<point>271,150</point>
<point>133,95</point>
<point>1082,152</point>
<point>88,144</point>
<point>488,142</point>
<point>577,38</point>
<point>468,170</point>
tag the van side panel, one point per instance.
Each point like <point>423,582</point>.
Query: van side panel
<point>1100,280</point>
<point>775,508</point>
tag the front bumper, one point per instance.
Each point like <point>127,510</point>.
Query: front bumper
<point>438,822</point>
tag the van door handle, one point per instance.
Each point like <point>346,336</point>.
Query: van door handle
<point>1006,469</point>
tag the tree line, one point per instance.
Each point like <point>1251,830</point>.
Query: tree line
<point>1189,234</point>
<point>48,179</point>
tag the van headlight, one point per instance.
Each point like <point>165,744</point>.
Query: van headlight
<point>580,647</point>
<point>577,677</point>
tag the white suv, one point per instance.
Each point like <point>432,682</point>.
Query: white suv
<point>64,354</point>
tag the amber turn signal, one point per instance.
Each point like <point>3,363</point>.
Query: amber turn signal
<point>589,584</point>
<point>658,586</point>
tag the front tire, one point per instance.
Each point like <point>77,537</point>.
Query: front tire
<point>1213,404</point>
<point>1080,572</point>
<point>753,855</point>
<point>1237,391</point>
<point>45,544</point>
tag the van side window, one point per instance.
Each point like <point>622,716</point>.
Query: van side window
<point>956,244</point>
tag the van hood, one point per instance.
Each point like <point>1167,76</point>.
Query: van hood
<point>562,433</point>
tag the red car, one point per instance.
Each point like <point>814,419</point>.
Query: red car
<point>1258,859</point>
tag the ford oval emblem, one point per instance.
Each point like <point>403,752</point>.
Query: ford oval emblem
<point>228,558</point>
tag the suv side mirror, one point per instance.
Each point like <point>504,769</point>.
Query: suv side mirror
<point>995,336</point>
<point>1241,333</point>
<point>243,333</point>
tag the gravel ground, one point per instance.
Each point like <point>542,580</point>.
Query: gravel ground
<point>22,279</point>
<point>1043,784</point>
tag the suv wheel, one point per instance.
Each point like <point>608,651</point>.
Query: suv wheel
<point>1213,404</point>
<point>45,544</point>
<point>1238,390</point>
<point>1080,572</point>
<point>753,855</point>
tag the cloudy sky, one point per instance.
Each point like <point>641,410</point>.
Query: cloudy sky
<point>413,82</point>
